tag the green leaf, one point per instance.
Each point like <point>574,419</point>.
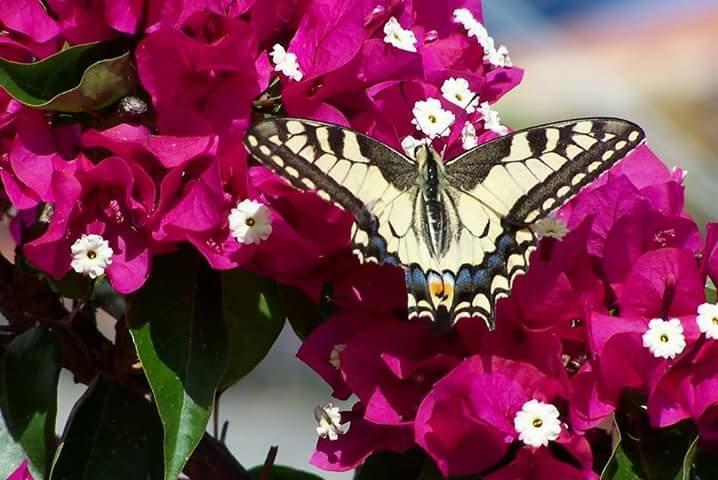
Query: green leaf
<point>112,434</point>
<point>77,79</point>
<point>12,454</point>
<point>700,463</point>
<point>280,472</point>
<point>72,285</point>
<point>177,327</point>
<point>688,460</point>
<point>391,466</point>
<point>254,318</point>
<point>303,314</point>
<point>105,297</point>
<point>711,295</point>
<point>30,372</point>
<point>644,452</point>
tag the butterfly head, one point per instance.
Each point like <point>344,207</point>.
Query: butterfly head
<point>424,153</point>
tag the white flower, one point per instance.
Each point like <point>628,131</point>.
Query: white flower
<point>472,26</point>
<point>250,222</point>
<point>285,62</point>
<point>91,255</point>
<point>708,320</point>
<point>550,227</point>
<point>431,119</point>
<point>457,91</point>
<point>409,144</point>
<point>498,57</point>
<point>469,139</point>
<point>329,420</point>
<point>664,338</point>
<point>537,423</point>
<point>401,38</point>
<point>491,119</point>
<point>334,355</point>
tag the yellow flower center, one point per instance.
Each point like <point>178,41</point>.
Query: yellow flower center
<point>433,119</point>
<point>537,423</point>
<point>91,254</point>
<point>664,338</point>
<point>715,320</point>
<point>250,222</point>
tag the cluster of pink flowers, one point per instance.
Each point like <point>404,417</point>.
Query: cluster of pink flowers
<point>179,173</point>
<point>617,304</point>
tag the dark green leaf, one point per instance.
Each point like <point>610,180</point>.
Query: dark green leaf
<point>72,285</point>
<point>76,79</point>
<point>700,463</point>
<point>392,466</point>
<point>254,317</point>
<point>645,452</point>
<point>112,434</point>
<point>284,473</point>
<point>177,327</point>
<point>303,314</point>
<point>31,368</point>
<point>105,297</point>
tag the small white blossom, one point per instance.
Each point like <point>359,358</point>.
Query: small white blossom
<point>491,119</point>
<point>250,222</point>
<point>285,62</point>
<point>334,355</point>
<point>431,119</point>
<point>329,422</point>
<point>537,423</point>
<point>91,255</point>
<point>457,91</point>
<point>410,144</point>
<point>708,320</point>
<point>498,57</point>
<point>472,26</point>
<point>469,139</point>
<point>664,338</point>
<point>401,38</point>
<point>550,227</point>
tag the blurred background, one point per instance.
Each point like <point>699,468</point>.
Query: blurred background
<point>652,61</point>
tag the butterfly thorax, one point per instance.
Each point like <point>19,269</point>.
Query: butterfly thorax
<point>431,209</point>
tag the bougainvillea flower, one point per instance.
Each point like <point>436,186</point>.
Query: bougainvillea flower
<point>22,472</point>
<point>664,286</point>
<point>199,88</point>
<point>689,390</point>
<point>106,199</point>
<point>29,18</point>
<point>81,21</point>
<point>541,464</point>
<point>391,378</point>
<point>361,440</point>
<point>473,409</point>
<point>710,254</point>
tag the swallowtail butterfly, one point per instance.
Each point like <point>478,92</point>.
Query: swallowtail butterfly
<point>461,229</point>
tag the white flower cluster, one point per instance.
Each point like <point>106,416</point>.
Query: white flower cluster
<point>496,56</point>
<point>286,63</point>
<point>399,37</point>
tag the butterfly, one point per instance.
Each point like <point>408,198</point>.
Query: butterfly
<point>461,229</point>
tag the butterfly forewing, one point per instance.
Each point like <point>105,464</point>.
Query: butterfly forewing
<point>374,182</point>
<point>491,196</point>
